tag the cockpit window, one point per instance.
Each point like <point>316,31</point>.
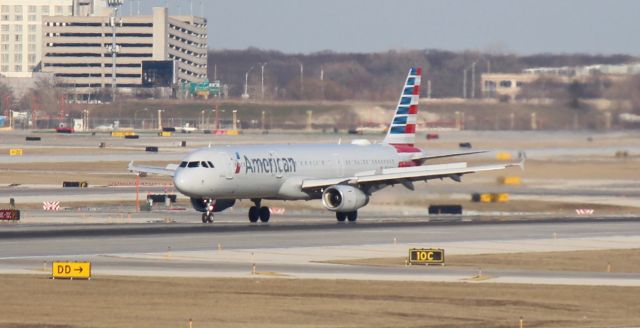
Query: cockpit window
<point>204,164</point>
<point>183,164</point>
<point>193,164</point>
<point>210,164</point>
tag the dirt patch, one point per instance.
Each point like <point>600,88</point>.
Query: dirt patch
<point>583,261</point>
<point>36,301</point>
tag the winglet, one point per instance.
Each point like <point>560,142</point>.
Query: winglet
<point>523,157</point>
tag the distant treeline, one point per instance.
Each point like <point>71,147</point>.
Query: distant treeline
<point>371,76</point>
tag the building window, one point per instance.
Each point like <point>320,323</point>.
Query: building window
<point>32,38</point>
<point>18,68</point>
<point>505,84</point>
<point>17,58</point>
<point>18,47</point>
<point>58,10</point>
<point>32,9</point>
<point>4,47</point>
<point>32,58</point>
<point>5,28</point>
<point>4,9</point>
<point>5,58</point>
<point>44,10</point>
<point>32,67</point>
<point>4,38</point>
<point>18,38</point>
<point>4,68</point>
<point>17,9</point>
<point>4,17</point>
<point>18,18</point>
<point>18,28</point>
<point>32,48</point>
<point>32,18</point>
<point>33,28</point>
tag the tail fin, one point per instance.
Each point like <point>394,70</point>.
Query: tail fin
<point>402,130</point>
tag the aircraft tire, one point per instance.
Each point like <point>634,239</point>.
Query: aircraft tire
<point>352,216</point>
<point>254,214</point>
<point>341,216</point>
<point>265,214</point>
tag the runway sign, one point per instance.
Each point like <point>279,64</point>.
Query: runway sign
<point>71,270</point>
<point>426,256</point>
<point>15,152</point>
<point>509,181</point>
<point>9,215</point>
<point>503,156</point>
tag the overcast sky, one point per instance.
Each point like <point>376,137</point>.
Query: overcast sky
<point>515,26</point>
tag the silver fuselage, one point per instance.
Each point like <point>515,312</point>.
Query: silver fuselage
<point>276,171</point>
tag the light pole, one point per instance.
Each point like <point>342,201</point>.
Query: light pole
<point>217,117</point>
<point>245,95</point>
<point>262,79</point>
<point>160,119</point>
<point>135,117</point>
<point>301,80</point>
<point>202,120</point>
<point>473,80</point>
<point>235,119</point>
<point>114,48</point>
<point>464,83</point>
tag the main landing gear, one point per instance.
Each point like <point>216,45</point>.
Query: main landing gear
<point>351,216</point>
<point>207,216</point>
<point>256,212</point>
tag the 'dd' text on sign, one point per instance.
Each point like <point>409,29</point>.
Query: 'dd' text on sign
<point>71,270</point>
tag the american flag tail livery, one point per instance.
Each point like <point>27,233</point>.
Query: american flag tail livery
<point>402,130</point>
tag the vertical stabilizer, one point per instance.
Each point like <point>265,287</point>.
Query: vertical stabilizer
<point>402,130</point>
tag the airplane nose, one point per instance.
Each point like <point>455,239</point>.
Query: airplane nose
<point>180,181</point>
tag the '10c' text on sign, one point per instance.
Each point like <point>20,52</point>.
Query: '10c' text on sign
<point>426,256</point>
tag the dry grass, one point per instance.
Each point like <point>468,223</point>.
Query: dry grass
<point>34,302</point>
<point>584,261</point>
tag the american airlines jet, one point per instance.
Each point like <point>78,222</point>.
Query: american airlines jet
<point>343,176</point>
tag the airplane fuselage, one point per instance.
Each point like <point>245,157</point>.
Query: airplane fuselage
<point>276,171</point>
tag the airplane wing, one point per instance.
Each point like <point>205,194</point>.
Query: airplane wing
<point>144,169</point>
<point>406,175</point>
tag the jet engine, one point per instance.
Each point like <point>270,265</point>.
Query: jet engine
<point>343,198</point>
<point>220,204</point>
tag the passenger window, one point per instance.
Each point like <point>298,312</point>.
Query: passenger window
<point>204,164</point>
<point>193,164</point>
<point>183,164</point>
<point>210,164</point>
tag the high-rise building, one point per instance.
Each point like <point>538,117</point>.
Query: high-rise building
<point>155,50</point>
<point>21,33</point>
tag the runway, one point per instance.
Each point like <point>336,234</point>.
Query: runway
<point>298,250</point>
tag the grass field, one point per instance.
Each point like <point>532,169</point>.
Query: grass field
<point>618,260</point>
<point>35,301</point>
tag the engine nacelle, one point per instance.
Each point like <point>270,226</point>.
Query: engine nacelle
<point>219,204</point>
<point>343,198</point>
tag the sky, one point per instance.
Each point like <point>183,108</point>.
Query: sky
<point>498,26</point>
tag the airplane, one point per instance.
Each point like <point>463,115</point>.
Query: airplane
<point>343,176</point>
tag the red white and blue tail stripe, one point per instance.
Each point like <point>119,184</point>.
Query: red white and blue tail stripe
<point>402,130</point>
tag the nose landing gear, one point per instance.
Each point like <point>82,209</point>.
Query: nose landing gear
<point>207,216</point>
<point>256,212</point>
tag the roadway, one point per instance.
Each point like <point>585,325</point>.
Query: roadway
<point>298,249</point>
